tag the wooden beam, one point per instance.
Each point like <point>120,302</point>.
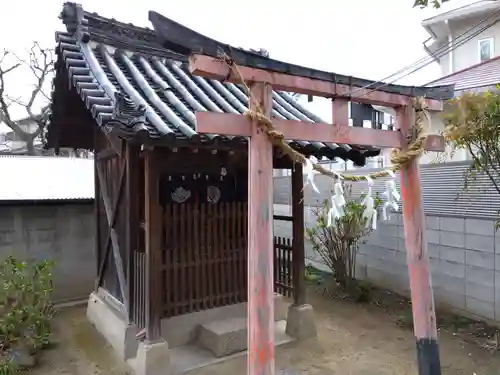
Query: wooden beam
<point>97,216</point>
<point>298,228</point>
<point>233,124</point>
<point>210,67</point>
<point>340,112</point>
<point>106,154</point>
<point>424,315</point>
<point>260,244</point>
<point>153,232</point>
<point>114,142</point>
<point>283,218</point>
<point>132,223</point>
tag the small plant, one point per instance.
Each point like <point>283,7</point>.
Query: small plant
<point>7,365</point>
<point>363,291</point>
<point>315,276</point>
<point>25,310</point>
<point>337,245</point>
<point>405,319</point>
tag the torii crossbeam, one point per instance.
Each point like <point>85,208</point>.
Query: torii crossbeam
<point>260,167</point>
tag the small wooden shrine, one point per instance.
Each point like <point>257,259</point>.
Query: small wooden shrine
<point>176,231</point>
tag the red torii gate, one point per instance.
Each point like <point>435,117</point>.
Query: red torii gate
<point>260,224</point>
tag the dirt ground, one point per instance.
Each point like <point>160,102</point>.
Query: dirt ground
<point>358,339</point>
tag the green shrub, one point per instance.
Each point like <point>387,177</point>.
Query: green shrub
<point>337,245</point>
<point>25,309</point>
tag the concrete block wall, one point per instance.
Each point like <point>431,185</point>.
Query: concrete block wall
<point>464,255</point>
<point>64,233</point>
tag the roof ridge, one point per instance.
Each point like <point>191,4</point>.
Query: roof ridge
<point>99,17</point>
<point>98,28</point>
<point>69,13</point>
<point>451,11</point>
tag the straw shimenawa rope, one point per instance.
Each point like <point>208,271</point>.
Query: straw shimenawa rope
<point>399,158</point>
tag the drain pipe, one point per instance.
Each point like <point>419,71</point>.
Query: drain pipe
<point>450,57</point>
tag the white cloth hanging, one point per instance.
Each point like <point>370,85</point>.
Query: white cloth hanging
<point>337,204</point>
<point>308,170</point>
<point>370,213</point>
<point>392,197</point>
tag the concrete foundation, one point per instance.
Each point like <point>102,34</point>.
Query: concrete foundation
<point>185,352</point>
<point>300,323</point>
<point>152,359</point>
<point>184,329</point>
<point>104,312</point>
<point>224,337</point>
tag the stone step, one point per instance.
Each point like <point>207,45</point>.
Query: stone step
<point>224,337</point>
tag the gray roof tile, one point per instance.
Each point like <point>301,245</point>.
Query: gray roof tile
<point>128,60</point>
<point>480,75</point>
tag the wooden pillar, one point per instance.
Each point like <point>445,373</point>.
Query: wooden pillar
<point>260,243</point>
<point>298,253</point>
<point>97,208</point>
<point>132,224</point>
<point>153,232</point>
<point>97,216</point>
<point>424,315</point>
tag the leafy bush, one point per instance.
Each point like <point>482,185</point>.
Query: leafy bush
<point>472,123</point>
<point>338,244</point>
<point>25,309</point>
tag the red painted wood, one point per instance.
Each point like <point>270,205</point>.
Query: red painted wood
<point>232,124</point>
<point>210,67</point>
<point>260,245</point>
<point>340,114</point>
<point>424,316</point>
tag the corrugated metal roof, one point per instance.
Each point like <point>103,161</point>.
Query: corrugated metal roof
<point>46,178</point>
<point>159,80</point>
<point>484,74</point>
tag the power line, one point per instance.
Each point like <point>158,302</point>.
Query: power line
<point>446,48</point>
<point>441,51</point>
<point>429,62</point>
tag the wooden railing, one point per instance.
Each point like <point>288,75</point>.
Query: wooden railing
<point>139,290</point>
<point>205,258</point>
<point>283,280</point>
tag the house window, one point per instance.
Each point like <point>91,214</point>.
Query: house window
<point>485,49</point>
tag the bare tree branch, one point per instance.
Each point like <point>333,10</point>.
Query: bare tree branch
<point>425,3</point>
<point>41,64</point>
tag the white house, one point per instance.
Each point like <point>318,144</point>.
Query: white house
<point>12,143</point>
<point>464,36</point>
<point>466,44</point>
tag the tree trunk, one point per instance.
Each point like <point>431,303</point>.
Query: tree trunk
<point>30,145</point>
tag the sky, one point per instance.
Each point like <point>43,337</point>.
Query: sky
<point>365,38</point>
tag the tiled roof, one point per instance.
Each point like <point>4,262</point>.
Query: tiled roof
<point>484,74</point>
<point>133,84</point>
<point>122,72</point>
<point>25,178</point>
